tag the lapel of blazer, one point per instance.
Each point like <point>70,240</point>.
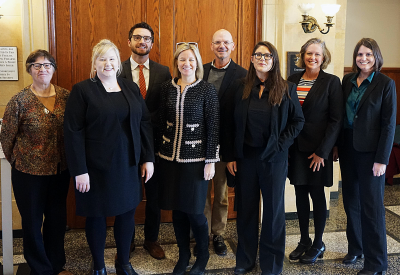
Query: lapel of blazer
<point>152,76</point>
<point>128,93</point>
<point>228,78</point>
<point>245,107</point>
<point>126,67</point>
<point>315,90</point>
<point>370,88</point>
<point>207,68</point>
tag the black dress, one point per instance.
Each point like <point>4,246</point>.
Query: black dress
<point>117,190</point>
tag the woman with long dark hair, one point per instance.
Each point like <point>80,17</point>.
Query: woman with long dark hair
<point>267,117</point>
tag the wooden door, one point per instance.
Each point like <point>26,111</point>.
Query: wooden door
<point>75,26</point>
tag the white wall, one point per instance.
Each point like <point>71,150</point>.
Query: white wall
<point>379,20</point>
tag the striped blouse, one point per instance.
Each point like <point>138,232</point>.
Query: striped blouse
<point>303,88</point>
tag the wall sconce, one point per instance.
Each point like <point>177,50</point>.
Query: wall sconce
<point>1,2</point>
<point>310,24</point>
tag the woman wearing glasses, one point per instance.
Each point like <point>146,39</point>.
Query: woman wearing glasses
<point>267,118</point>
<point>108,133</point>
<point>311,160</point>
<point>33,142</point>
<point>188,150</point>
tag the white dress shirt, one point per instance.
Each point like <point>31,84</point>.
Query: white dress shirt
<point>135,72</point>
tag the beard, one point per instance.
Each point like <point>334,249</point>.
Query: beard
<point>135,51</point>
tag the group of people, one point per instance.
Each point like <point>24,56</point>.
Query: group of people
<point>131,121</point>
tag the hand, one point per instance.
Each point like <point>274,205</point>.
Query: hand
<point>378,169</point>
<point>316,162</point>
<point>82,183</point>
<point>231,167</point>
<point>335,153</point>
<point>147,169</point>
<point>209,171</point>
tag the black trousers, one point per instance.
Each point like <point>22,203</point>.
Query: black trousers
<point>254,175</point>
<point>38,196</point>
<point>363,202</point>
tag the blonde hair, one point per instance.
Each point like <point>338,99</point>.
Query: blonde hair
<point>325,53</point>
<point>184,47</point>
<point>101,48</point>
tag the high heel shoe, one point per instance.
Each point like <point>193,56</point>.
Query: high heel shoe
<point>300,250</point>
<point>102,271</point>
<point>312,255</point>
<point>126,269</point>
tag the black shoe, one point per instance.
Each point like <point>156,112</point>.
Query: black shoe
<point>239,270</point>
<point>126,269</point>
<point>102,271</point>
<point>367,272</point>
<point>219,245</point>
<point>300,250</point>
<point>350,259</point>
<point>312,254</point>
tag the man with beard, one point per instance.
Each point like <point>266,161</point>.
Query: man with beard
<point>148,75</point>
<point>222,73</point>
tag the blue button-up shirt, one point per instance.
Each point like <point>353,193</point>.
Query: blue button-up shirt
<point>354,99</point>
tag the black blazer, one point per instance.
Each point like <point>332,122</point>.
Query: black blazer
<point>375,120</point>
<point>91,132</point>
<point>225,97</point>
<point>158,74</point>
<point>323,112</point>
<point>286,123</point>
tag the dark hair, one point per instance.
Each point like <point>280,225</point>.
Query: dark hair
<point>35,55</point>
<point>142,25</point>
<point>279,86</point>
<point>373,46</point>
<point>325,53</point>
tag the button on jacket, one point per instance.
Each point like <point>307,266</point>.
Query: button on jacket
<point>189,122</point>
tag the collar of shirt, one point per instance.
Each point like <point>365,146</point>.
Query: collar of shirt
<point>224,67</point>
<point>134,65</point>
<point>369,79</point>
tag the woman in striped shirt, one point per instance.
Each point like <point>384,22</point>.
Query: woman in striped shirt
<point>311,161</point>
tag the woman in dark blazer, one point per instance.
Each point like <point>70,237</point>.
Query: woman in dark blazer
<point>108,133</point>
<point>364,149</point>
<point>267,118</point>
<point>310,157</point>
<point>188,150</point>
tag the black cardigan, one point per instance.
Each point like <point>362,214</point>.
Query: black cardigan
<point>189,122</point>
<point>91,133</point>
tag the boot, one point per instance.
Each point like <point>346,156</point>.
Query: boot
<point>182,234</point>
<point>201,236</point>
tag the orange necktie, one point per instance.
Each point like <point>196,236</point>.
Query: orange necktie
<point>142,82</point>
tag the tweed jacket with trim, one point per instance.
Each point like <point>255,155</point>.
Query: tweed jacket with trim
<point>189,122</point>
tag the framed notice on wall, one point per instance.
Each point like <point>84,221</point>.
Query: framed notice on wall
<point>291,63</point>
<point>8,63</point>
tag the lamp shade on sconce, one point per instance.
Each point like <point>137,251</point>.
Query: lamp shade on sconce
<point>305,7</point>
<point>330,9</point>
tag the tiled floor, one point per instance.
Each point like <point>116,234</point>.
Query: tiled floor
<point>78,254</point>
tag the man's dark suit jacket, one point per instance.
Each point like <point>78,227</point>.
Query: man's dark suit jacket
<point>90,132</point>
<point>225,96</point>
<point>158,74</point>
<point>323,112</point>
<point>375,120</point>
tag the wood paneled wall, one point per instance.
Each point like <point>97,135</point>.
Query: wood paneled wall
<point>75,26</point>
<point>393,73</point>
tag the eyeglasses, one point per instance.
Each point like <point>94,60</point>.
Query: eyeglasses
<point>146,39</point>
<point>267,56</point>
<point>183,43</point>
<point>38,66</point>
<point>225,43</point>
